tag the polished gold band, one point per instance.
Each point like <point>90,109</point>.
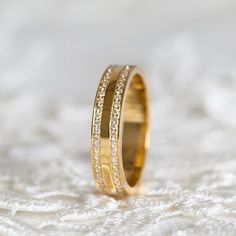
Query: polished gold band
<point>120,130</point>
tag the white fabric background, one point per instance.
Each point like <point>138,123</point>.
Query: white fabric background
<point>52,54</point>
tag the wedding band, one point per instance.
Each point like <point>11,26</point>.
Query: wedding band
<point>120,130</point>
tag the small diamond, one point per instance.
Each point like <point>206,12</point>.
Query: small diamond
<point>114,123</point>
<point>121,84</point>
<point>120,189</point>
<point>99,104</point>
<point>116,110</point>
<point>100,179</point>
<point>100,96</point>
<point>115,115</point>
<point>98,111</point>
<point>96,129</point>
<point>97,122</point>
<point>117,181</point>
<point>100,99</point>
<point>118,97</point>
<point>114,141</point>
<point>113,155</point>
<point>102,89</point>
<point>101,93</point>
<point>113,126</point>
<point>115,172</point>
<point>119,91</point>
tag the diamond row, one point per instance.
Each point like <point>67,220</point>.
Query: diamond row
<point>99,102</point>
<point>114,127</point>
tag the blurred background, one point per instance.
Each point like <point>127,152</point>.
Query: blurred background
<point>52,54</point>
<point>59,48</point>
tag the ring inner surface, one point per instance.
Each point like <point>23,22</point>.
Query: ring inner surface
<point>134,130</point>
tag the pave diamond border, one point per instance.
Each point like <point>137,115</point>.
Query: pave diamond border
<point>114,127</point>
<point>96,129</point>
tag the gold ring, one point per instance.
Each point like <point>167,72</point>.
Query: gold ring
<point>120,130</point>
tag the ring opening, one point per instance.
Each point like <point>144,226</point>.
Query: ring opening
<point>134,130</point>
